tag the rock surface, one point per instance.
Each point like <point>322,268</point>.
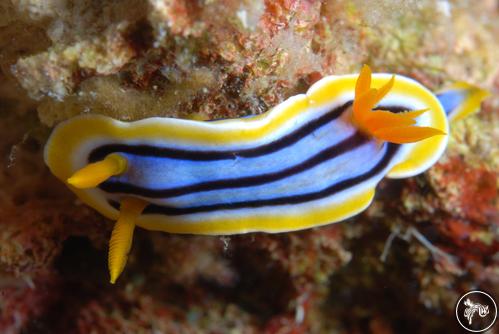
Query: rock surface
<point>398,267</point>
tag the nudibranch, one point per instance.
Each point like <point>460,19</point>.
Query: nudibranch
<point>312,160</point>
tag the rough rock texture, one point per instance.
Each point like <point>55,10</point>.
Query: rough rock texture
<point>398,267</point>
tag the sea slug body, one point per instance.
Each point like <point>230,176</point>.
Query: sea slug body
<point>312,160</point>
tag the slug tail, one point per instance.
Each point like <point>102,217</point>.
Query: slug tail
<point>461,100</point>
<point>122,236</point>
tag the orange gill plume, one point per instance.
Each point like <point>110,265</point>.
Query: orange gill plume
<point>396,128</point>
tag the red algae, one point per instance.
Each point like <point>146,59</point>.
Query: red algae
<point>23,300</point>
<point>471,192</point>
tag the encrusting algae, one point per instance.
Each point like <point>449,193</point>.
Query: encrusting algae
<point>227,60</point>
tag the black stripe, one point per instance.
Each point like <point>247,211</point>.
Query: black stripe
<point>393,109</point>
<point>101,152</point>
<point>294,199</point>
<point>329,153</point>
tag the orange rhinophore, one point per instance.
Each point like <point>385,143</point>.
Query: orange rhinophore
<point>388,126</point>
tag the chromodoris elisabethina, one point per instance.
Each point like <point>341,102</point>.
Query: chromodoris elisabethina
<point>312,160</point>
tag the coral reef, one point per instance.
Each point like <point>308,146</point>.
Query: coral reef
<point>398,267</point>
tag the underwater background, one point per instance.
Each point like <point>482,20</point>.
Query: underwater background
<point>399,267</point>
